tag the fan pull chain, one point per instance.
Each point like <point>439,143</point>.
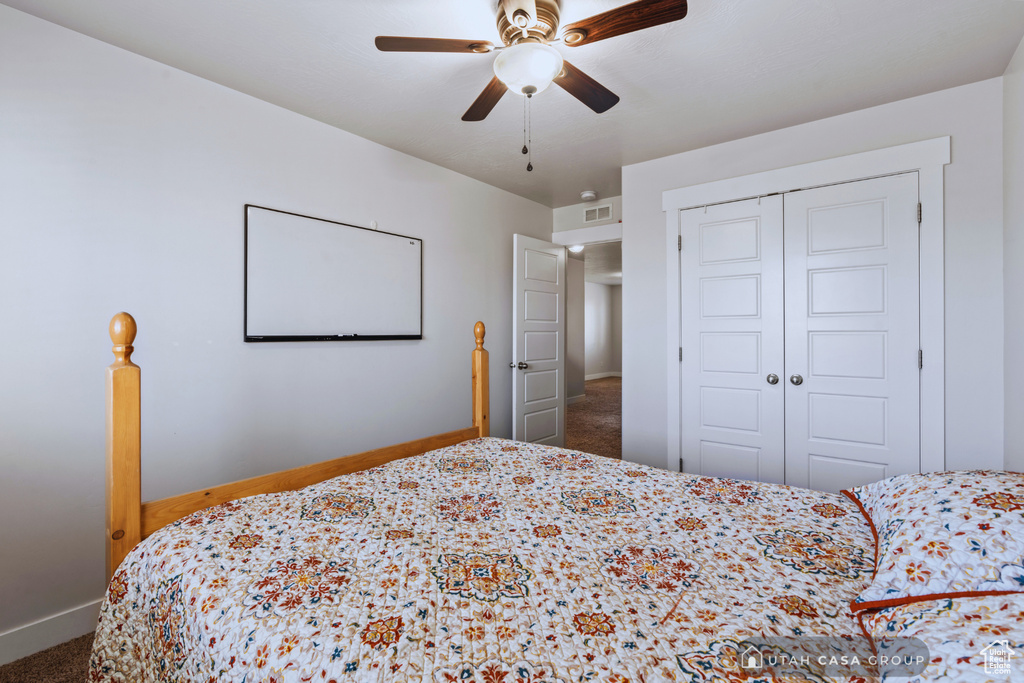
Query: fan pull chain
<point>529,135</point>
<point>525,150</point>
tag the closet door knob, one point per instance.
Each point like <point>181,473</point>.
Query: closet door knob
<point>773,378</point>
<point>522,365</point>
<point>797,380</point>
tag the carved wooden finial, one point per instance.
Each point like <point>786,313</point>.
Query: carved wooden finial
<point>479,331</point>
<point>481,389</point>
<point>124,445</point>
<point>122,333</point>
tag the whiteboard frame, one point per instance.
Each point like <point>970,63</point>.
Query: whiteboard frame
<point>319,338</point>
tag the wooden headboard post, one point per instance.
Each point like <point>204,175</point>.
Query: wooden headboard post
<point>481,388</point>
<point>124,445</point>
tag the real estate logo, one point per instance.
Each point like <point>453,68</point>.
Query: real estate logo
<point>751,659</point>
<point>997,658</point>
<point>812,658</point>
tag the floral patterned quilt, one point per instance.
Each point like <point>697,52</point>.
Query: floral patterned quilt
<point>969,640</point>
<point>491,561</point>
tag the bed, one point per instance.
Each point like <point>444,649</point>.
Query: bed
<point>488,560</point>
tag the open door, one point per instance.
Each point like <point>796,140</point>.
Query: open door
<point>538,341</point>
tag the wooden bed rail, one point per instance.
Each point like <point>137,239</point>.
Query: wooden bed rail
<point>129,520</point>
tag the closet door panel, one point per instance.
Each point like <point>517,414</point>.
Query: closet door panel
<point>732,419</point>
<point>852,333</point>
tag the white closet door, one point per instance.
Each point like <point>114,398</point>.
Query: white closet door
<point>732,418</point>
<point>852,333</point>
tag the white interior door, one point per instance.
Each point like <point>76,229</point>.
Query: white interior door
<point>852,333</point>
<point>538,342</point>
<point>732,402</point>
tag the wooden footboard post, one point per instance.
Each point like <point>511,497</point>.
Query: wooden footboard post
<point>124,445</point>
<point>481,390</point>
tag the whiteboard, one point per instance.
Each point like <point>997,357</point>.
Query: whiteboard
<point>310,279</point>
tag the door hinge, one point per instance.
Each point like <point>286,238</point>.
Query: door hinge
<point>680,354</point>
<point>679,241</point>
<point>920,359</point>
<point>681,465</point>
<point>919,213</point>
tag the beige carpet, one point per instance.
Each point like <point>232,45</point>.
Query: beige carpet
<point>594,425</point>
<point>64,663</point>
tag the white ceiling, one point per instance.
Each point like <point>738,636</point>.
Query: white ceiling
<point>602,263</point>
<point>730,69</point>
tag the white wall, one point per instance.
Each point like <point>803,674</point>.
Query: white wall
<point>1013,256</point>
<point>973,116</point>
<point>603,330</point>
<point>575,329</point>
<point>122,183</point>
<point>572,217</point>
<point>616,321</point>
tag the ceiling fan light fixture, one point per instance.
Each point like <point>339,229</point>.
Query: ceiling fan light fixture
<point>528,68</point>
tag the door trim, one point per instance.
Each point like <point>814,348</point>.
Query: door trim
<point>593,235</point>
<point>928,158</point>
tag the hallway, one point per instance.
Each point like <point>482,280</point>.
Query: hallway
<point>594,424</point>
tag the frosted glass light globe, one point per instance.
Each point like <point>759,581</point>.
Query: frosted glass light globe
<point>528,68</point>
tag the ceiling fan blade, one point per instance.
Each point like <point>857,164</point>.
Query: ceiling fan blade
<point>586,89</point>
<point>483,104</point>
<point>626,19</point>
<point>409,44</point>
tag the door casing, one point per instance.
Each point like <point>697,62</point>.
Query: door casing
<point>928,158</point>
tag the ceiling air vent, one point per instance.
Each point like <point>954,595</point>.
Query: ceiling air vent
<point>598,213</point>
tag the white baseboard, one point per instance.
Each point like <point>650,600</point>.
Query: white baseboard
<point>574,399</point>
<point>602,375</point>
<point>45,633</point>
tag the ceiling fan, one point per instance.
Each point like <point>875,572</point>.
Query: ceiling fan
<point>527,64</point>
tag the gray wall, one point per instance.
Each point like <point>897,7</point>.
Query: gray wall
<point>973,116</point>
<point>603,329</point>
<point>575,354</point>
<point>1013,256</point>
<point>616,316</point>
<point>122,183</point>
<point>572,217</point>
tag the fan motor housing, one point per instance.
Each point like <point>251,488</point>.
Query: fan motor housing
<point>544,30</point>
